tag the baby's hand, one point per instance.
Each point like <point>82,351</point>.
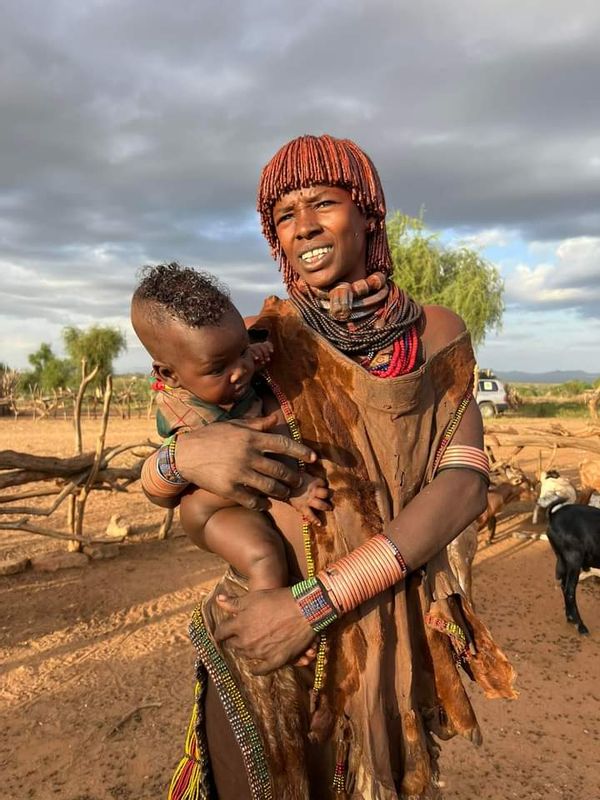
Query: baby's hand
<point>311,496</point>
<point>261,353</point>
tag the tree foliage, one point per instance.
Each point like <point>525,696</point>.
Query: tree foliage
<point>99,345</point>
<point>459,278</point>
<point>48,372</point>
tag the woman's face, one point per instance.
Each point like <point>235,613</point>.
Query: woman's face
<point>323,235</point>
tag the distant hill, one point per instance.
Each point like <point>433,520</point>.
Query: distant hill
<point>557,376</point>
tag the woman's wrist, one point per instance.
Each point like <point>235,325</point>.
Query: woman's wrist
<point>315,603</point>
<point>344,585</point>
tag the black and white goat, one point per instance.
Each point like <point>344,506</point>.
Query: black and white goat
<point>574,533</point>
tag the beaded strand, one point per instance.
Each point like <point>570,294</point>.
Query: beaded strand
<point>236,710</point>
<point>294,428</point>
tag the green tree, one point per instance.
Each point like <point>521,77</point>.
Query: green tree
<point>49,372</point>
<point>99,345</point>
<point>459,278</point>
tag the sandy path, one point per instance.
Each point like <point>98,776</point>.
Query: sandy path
<point>82,648</point>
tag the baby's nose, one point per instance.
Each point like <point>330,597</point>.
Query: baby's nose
<point>238,372</point>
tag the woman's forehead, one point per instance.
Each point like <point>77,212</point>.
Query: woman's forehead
<point>306,193</point>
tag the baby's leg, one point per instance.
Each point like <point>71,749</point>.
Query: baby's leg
<point>196,508</point>
<point>247,540</point>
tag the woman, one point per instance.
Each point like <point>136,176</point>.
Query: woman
<point>380,389</point>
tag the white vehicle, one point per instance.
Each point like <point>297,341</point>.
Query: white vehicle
<point>491,394</point>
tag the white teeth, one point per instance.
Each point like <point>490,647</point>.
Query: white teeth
<point>316,253</point>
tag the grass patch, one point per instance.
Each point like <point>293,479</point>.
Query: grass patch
<point>566,409</point>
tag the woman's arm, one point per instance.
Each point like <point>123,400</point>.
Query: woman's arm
<point>446,506</point>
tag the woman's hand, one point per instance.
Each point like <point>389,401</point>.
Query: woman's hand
<point>267,627</point>
<point>228,459</point>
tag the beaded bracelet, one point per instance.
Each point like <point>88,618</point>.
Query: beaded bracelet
<point>457,456</point>
<point>314,603</point>
<point>166,463</point>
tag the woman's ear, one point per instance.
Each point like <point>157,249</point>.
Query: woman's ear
<point>166,374</point>
<point>371,225</point>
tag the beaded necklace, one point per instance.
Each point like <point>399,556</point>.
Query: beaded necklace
<point>370,329</point>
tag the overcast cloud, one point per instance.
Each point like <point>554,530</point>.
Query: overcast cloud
<point>134,132</point>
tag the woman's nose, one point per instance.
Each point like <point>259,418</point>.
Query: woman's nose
<point>307,224</point>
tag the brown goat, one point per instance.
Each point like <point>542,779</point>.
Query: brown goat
<point>500,496</point>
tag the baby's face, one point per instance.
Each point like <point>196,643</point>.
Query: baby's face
<point>214,363</point>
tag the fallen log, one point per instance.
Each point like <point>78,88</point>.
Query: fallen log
<point>20,468</point>
<point>544,440</point>
<point>50,465</point>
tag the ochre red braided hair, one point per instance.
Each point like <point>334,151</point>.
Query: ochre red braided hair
<point>312,160</point>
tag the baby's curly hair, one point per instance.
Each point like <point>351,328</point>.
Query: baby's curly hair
<point>195,298</point>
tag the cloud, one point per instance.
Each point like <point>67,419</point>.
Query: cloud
<point>135,132</point>
<point>572,281</point>
<point>488,237</point>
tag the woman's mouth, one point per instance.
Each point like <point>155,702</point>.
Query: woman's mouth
<point>314,257</point>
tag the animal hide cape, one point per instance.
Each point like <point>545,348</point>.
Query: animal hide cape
<point>393,681</point>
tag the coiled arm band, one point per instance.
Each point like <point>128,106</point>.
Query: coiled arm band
<point>364,573</point>
<point>458,456</point>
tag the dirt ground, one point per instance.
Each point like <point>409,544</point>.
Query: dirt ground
<point>97,677</point>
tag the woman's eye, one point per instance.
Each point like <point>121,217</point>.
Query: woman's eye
<point>324,203</point>
<point>284,218</point>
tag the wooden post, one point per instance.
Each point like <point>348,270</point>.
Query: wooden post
<point>74,546</point>
<point>86,488</point>
<point>166,524</point>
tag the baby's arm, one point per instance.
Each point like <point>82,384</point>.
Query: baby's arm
<point>312,495</point>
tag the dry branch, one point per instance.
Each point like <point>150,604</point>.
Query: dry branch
<point>85,381</point>
<point>67,536</point>
<point>12,498</point>
<point>129,715</point>
<point>544,440</point>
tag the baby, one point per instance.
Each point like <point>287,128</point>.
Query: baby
<point>204,363</point>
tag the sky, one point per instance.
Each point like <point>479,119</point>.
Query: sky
<point>134,132</point>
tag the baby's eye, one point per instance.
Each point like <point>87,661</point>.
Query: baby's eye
<point>218,371</point>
